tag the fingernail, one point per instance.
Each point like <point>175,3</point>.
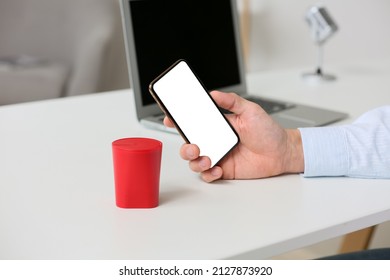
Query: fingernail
<point>190,153</point>
<point>203,163</point>
<point>215,172</point>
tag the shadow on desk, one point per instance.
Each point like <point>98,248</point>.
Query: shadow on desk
<point>174,195</point>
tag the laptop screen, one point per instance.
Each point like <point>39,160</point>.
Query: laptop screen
<point>199,31</point>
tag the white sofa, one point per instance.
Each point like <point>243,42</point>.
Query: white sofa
<point>53,48</point>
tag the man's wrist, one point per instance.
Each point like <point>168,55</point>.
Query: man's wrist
<point>294,159</point>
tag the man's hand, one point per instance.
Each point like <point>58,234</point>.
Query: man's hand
<point>265,149</point>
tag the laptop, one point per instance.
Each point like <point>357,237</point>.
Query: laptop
<point>206,34</point>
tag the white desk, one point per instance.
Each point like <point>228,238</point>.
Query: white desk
<point>57,193</point>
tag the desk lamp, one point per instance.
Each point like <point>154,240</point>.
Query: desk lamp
<point>322,27</point>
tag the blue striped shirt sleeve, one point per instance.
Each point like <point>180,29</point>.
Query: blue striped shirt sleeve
<point>361,149</point>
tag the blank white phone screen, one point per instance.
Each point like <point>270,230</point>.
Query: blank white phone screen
<point>195,113</point>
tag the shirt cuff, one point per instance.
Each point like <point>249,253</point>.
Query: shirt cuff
<point>325,151</point>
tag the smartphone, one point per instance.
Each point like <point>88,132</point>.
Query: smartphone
<point>184,99</point>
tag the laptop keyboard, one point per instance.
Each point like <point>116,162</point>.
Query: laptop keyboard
<point>270,106</point>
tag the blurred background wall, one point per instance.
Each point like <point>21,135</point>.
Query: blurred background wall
<point>280,38</point>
